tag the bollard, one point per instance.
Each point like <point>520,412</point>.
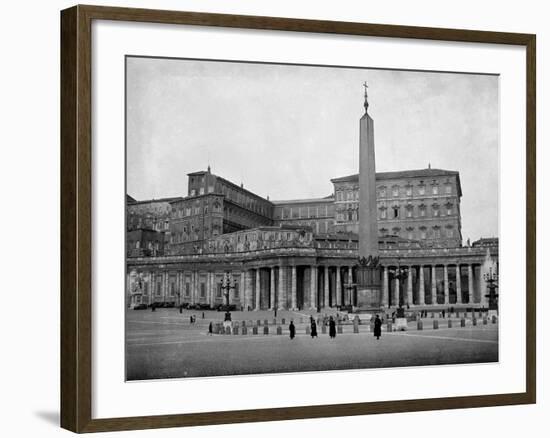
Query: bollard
<point>236,330</point>
<point>255,330</point>
<point>436,324</point>
<point>279,330</point>
<point>340,328</point>
<point>462,322</point>
<point>228,330</point>
<point>419,325</point>
<point>389,327</point>
<point>308,330</point>
<point>450,323</point>
<point>266,330</point>
<point>474,321</point>
<point>244,331</point>
<point>484,320</point>
<point>494,319</point>
<point>283,322</point>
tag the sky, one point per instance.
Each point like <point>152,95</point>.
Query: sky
<point>284,130</point>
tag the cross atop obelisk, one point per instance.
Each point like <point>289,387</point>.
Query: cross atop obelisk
<point>366,104</point>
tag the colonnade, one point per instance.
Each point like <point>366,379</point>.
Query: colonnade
<point>313,286</point>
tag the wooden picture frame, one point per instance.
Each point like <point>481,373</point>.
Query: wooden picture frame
<point>76,217</point>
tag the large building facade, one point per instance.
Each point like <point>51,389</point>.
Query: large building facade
<point>303,254</point>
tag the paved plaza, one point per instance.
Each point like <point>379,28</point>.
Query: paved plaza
<point>165,344</point>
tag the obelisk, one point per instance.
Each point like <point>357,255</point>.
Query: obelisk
<point>368,272</point>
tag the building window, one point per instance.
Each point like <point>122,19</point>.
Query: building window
<point>408,190</point>
<point>203,290</point>
<point>435,209</point>
<point>410,233</point>
<point>193,192</point>
<point>395,192</point>
<point>383,214</point>
<point>448,189</point>
<point>422,189</point>
<point>201,191</point>
<point>450,232</point>
<point>449,210</point>
<point>435,190</point>
<point>382,192</point>
<point>422,233</point>
<point>395,212</point>
<point>437,233</point>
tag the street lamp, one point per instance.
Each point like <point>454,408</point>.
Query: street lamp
<point>399,274</point>
<point>350,287</point>
<point>491,279</point>
<point>227,284</point>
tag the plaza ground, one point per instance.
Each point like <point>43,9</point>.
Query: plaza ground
<point>165,344</point>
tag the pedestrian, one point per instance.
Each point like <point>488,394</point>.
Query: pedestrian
<point>191,319</point>
<point>210,328</point>
<point>377,327</point>
<point>181,308</point>
<point>332,328</point>
<point>202,315</point>
<point>443,312</point>
<point>313,328</point>
<point>153,307</point>
<point>275,313</point>
<point>292,329</point>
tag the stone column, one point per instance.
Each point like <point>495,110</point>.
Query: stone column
<point>257,307</point>
<point>395,300</point>
<point>349,297</point>
<point>470,284</point>
<point>421,296</point>
<point>434,286</point>
<point>385,288</point>
<point>327,288</point>
<point>482,288</point>
<point>242,287</point>
<point>410,287</point>
<point>313,289</point>
<point>458,285</point>
<point>293,289</point>
<point>272,288</point>
<point>446,284</point>
<point>338,287</point>
<point>281,295</point>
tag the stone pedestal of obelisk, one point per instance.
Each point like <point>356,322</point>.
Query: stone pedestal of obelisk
<point>368,270</point>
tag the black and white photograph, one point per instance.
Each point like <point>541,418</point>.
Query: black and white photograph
<point>286,218</point>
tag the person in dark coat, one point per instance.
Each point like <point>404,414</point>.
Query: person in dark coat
<point>292,330</point>
<point>332,328</point>
<point>377,327</point>
<point>210,328</point>
<point>313,328</point>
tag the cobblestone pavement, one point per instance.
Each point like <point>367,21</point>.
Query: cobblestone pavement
<point>165,344</point>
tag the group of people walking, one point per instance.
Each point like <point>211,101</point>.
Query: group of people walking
<point>377,330</point>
